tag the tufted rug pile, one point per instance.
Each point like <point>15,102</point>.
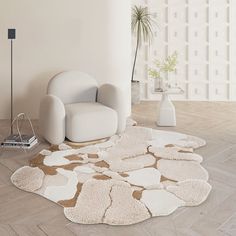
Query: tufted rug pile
<point>124,180</point>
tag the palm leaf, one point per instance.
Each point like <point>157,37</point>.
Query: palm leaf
<point>143,19</point>
<point>142,26</point>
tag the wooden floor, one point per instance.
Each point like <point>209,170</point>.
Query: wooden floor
<point>23,213</point>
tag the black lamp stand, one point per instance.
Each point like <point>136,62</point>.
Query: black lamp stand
<point>17,140</point>
<point>11,85</point>
<point>11,36</point>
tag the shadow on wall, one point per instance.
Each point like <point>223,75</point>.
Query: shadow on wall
<point>30,100</point>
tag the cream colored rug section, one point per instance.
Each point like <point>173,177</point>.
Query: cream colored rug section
<point>123,180</point>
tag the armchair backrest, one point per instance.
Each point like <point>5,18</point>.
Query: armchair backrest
<point>73,87</point>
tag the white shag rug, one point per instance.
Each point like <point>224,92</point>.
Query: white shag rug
<point>127,179</point>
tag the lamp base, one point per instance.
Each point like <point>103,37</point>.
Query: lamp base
<point>17,141</point>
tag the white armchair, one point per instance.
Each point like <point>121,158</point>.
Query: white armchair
<point>75,108</point>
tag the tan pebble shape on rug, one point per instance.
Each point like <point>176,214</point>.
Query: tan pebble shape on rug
<point>124,209</point>
<point>28,178</point>
<point>161,202</point>
<point>192,192</point>
<point>181,170</point>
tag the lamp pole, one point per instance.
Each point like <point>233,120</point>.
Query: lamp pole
<point>11,36</point>
<point>11,85</point>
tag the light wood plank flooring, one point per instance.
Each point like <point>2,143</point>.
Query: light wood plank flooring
<point>24,213</point>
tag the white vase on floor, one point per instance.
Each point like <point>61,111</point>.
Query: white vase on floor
<point>167,115</point>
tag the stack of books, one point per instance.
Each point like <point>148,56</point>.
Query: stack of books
<point>25,141</point>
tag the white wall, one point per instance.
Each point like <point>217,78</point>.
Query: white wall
<point>55,35</point>
<point>204,34</point>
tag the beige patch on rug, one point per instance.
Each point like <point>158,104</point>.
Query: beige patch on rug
<point>28,179</point>
<point>90,207</point>
<point>193,192</point>
<point>181,170</point>
<point>175,153</point>
<point>124,209</point>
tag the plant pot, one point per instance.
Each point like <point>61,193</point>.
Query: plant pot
<point>135,92</point>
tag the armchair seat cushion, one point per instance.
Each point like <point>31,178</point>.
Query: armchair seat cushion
<point>89,121</point>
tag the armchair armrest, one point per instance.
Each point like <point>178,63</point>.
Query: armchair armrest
<point>111,96</point>
<point>52,119</point>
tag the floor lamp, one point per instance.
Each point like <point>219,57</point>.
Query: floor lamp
<point>11,36</point>
<point>17,140</point>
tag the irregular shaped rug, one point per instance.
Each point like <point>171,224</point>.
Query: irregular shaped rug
<point>124,180</point>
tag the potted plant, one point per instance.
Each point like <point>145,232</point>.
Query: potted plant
<point>164,67</point>
<point>142,23</point>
